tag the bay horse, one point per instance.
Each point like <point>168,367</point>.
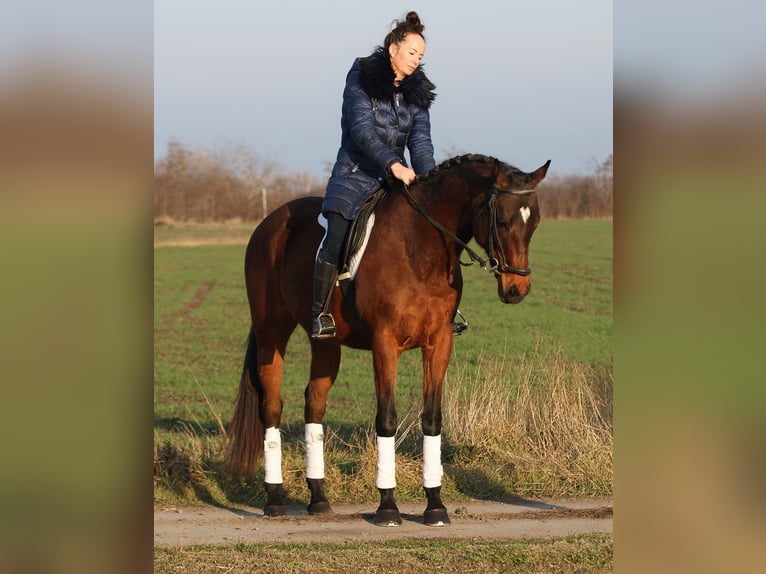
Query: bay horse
<point>406,291</point>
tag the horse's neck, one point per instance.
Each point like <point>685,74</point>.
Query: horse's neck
<point>403,228</point>
<point>449,200</point>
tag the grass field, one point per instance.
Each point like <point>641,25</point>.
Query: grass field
<point>545,366</point>
<point>574,554</point>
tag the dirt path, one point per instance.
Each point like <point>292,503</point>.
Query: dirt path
<point>470,519</point>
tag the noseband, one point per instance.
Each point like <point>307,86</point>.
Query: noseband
<point>492,235</point>
<point>492,264</point>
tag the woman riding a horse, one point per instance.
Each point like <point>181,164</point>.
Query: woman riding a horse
<point>407,285</point>
<point>385,109</point>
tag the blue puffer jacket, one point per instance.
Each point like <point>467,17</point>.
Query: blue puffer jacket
<point>379,121</point>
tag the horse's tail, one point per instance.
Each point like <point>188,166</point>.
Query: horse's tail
<point>246,430</point>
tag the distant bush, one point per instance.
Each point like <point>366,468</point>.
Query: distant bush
<point>579,196</point>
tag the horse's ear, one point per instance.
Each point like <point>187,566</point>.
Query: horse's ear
<point>539,174</point>
<point>500,176</point>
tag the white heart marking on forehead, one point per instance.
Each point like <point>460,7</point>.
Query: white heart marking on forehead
<point>525,212</point>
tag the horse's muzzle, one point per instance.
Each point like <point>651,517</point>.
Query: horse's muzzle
<point>513,293</point>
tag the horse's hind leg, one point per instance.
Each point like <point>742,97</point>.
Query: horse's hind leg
<point>325,361</point>
<point>271,350</point>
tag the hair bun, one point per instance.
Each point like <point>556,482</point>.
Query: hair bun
<point>400,28</point>
<point>413,22</point>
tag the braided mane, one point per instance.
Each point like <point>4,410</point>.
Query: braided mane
<point>455,161</point>
<point>450,163</point>
<point>446,165</point>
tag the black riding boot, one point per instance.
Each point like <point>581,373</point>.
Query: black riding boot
<point>323,325</point>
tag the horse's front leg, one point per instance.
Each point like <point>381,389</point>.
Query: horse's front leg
<point>325,361</point>
<point>385,354</point>
<point>435,361</point>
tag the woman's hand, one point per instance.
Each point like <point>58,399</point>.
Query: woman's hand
<point>402,173</point>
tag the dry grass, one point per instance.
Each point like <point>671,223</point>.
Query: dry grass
<point>570,555</point>
<point>169,232</point>
<point>547,422</point>
<point>539,426</point>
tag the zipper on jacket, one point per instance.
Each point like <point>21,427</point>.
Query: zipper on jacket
<point>396,112</point>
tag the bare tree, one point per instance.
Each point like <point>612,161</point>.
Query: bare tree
<point>579,196</point>
<point>230,182</point>
<point>234,182</point>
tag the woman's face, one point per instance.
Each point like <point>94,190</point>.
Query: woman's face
<point>406,55</point>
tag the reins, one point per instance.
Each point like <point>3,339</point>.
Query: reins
<point>491,264</point>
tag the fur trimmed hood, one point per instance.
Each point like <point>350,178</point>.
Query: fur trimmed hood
<point>377,80</point>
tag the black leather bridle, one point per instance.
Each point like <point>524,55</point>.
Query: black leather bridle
<point>491,264</point>
<point>500,266</point>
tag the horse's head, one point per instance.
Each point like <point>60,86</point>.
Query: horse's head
<point>503,225</point>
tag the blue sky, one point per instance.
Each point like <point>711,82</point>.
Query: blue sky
<point>524,82</point>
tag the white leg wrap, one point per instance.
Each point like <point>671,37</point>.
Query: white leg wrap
<point>272,456</point>
<point>314,451</point>
<point>432,461</point>
<point>386,462</point>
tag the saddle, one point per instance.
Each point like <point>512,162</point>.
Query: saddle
<point>356,239</point>
<point>353,250</point>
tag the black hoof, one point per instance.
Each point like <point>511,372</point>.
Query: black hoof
<point>436,517</point>
<point>274,502</point>
<point>388,517</point>
<point>320,507</point>
<point>318,503</point>
<point>275,510</point>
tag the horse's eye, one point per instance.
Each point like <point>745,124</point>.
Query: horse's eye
<point>503,225</point>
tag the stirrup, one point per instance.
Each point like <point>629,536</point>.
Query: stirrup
<point>459,327</point>
<point>323,327</point>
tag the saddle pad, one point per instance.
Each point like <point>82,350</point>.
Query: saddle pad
<point>354,257</point>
